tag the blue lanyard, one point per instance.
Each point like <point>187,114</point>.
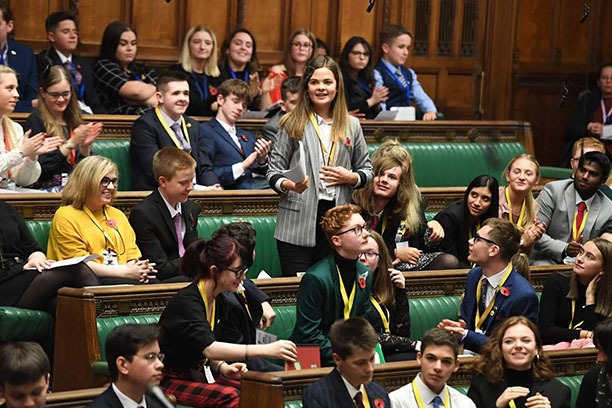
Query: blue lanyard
<point>3,55</point>
<point>397,80</point>
<point>364,86</point>
<point>246,74</point>
<point>203,87</point>
<point>79,88</point>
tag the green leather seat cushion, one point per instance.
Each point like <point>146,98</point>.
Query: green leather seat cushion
<point>23,324</point>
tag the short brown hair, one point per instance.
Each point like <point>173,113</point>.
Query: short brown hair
<point>237,87</point>
<point>505,234</point>
<point>22,363</point>
<point>335,218</point>
<point>354,333</point>
<point>585,143</point>
<point>170,159</point>
<point>391,32</point>
<point>439,337</point>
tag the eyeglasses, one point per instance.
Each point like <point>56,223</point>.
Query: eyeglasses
<point>57,95</point>
<point>301,45</point>
<point>605,79</point>
<point>370,256</point>
<point>357,230</point>
<point>107,180</point>
<point>487,240</point>
<point>360,54</point>
<point>151,357</point>
<point>239,272</point>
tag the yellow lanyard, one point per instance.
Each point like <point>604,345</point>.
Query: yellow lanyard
<point>510,215</point>
<point>511,404</point>
<point>384,314</point>
<point>419,399</point>
<point>114,244</point>
<point>246,304</point>
<point>480,319</point>
<point>330,158</point>
<point>571,324</point>
<point>170,131</point>
<point>577,230</point>
<point>348,302</point>
<point>205,299</point>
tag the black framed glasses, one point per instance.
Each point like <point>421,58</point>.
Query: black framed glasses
<point>151,357</point>
<point>357,230</point>
<point>360,54</point>
<point>57,95</point>
<point>370,255</point>
<point>239,271</point>
<point>107,180</point>
<point>487,240</point>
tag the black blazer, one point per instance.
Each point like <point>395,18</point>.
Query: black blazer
<point>156,234</point>
<point>484,394</point>
<point>90,96</point>
<point>148,136</point>
<point>21,59</point>
<point>330,391</point>
<point>108,399</point>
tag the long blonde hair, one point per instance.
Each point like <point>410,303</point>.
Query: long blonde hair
<point>383,289</point>
<point>10,133</point>
<point>211,68</point>
<point>295,121</point>
<point>530,203</point>
<point>72,115</point>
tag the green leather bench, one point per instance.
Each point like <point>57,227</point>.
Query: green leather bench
<point>118,150</point>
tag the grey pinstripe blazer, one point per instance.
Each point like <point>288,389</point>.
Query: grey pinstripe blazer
<point>297,213</point>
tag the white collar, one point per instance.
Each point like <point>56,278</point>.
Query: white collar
<point>173,211</point>
<point>495,279</point>
<point>171,122</point>
<point>126,401</point>
<point>426,393</point>
<point>61,56</point>
<point>352,390</point>
<point>588,201</point>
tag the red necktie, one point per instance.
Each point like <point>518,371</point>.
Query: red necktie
<point>580,217</point>
<point>374,222</point>
<point>359,400</point>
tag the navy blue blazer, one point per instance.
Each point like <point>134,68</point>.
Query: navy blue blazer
<point>148,136</point>
<point>108,399</point>
<point>330,391</point>
<point>518,300</point>
<point>223,153</point>
<point>21,59</point>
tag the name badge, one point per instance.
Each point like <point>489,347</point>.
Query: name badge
<point>209,375</point>
<point>110,257</point>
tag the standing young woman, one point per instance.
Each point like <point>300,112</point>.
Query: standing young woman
<point>125,86</point>
<point>199,60</point>
<point>87,223</point>
<point>58,114</point>
<point>390,312</point>
<point>463,218</point>
<point>299,50</point>
<point>18,152</point>
<point>191,325</point>
<point>363,94</point>
<point>336,158</point>
<point>572,304</point>
<point>516,202</point>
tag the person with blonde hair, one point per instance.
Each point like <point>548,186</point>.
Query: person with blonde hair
<point>87,223</point>
<point>58,114</point>
<point>320,133</point>
<point>513,370</point>
<point>516,202</point>
<point>198,60</point>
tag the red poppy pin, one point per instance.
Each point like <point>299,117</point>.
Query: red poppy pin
<point>111,223</point>
<point>348,144</point>
<point>244,138</point>
<point>362,280</point>
<point>379,403</point>
<point>213,91</point>
<point>505,291</point>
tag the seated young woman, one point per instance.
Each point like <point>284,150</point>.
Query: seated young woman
<point>516,202</point>
<point>25,278</point>
<point>390,312</point>
<point>363,94</point>
<point>18,151</point>
<point>572,304</point>
<point>464,217</point>
<point>87,223</point>
<point>58,114</point>
<point>392,205</point>
<point>125,87</point>
<point>513,370</point>
<point>595,389</point>
<point>192,321</point>
<point>198,60</point>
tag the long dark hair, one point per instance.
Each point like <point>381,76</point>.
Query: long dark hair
<point>110,40</point>
<point>366,74</point>
<point>493,212</point>
<point>602,337</point>
<point>253,64</point>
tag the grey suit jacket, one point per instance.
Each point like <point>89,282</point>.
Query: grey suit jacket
<point>297,213</point>
<point>557,203</point>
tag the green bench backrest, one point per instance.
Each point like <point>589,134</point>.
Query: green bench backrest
<point>456,164</point>
<point>107,324</point>
<point>574,385</point>
<point>118,150</point>
<point>265,248</point>
<point>40,231</point>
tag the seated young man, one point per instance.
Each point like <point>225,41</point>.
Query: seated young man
<point>404,87</point>
<point>167,125</point>
<point>438,361</point>
<point>290,90</point>
<point>24,375</point>
<point>338,286</point>
<point>134,362</point>
<point>353,343</point>
<point>240,159</point>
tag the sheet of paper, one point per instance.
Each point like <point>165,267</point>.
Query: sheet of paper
<point>73,261</point>
<point>262,337</point>
<point>607,132</point>
<point>298,173</point>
